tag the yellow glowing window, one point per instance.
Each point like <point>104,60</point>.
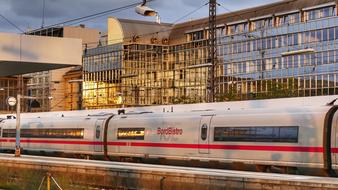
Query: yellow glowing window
<point>130,133</point>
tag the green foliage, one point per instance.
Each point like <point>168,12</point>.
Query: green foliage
<point>186,100</point>
<point>274,89</point>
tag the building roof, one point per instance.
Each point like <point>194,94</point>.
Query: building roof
<point>141,31</point>
<point>177,34</point>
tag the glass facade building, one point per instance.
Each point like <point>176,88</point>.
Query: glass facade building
<point>277,54</point>
<point>290,54</point>
<point>102,76</point>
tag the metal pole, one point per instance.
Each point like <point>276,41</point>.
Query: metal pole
<point>17,136</point>
<point>212,50</point>
<point>48,180</point>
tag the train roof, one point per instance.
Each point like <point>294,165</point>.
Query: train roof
<point>275,105</point>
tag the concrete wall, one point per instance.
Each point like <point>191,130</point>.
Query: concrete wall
<point>22,173</point>
<point>88,36</point>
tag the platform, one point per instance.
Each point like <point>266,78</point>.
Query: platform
<point>27,172</point>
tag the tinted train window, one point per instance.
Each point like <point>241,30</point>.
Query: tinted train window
<point>257,134</point>
<point>46,133</point>
<point>130,133</point>
<point>204,131</point>
<point>98,132</point>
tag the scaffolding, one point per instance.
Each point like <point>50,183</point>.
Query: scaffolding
<point>10,87</point>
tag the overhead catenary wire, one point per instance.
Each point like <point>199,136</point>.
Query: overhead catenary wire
<point>159,31</point>
<point>179,19</point>
<point>91,16</point>
<point>11,23</point>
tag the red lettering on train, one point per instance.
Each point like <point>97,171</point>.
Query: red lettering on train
<point>169,131</point>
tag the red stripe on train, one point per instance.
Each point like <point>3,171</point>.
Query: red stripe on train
<point>190,146</point>
<point>234,147</point>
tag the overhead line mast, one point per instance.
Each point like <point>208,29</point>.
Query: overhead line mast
<point>212,45</point>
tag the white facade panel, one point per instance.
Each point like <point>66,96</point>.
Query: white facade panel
<point>21,54</point>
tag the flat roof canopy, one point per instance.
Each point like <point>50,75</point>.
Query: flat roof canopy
<point>22,54</point>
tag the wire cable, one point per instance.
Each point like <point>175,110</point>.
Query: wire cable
<point>190,13</point>
<point>11,23</point>
<point>89,17</point>
<point>159,31</point>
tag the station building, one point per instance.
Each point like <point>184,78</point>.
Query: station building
<point>60,83</point>
<point>11,86</point>
<point>284,49</point>
<point>18,58</point>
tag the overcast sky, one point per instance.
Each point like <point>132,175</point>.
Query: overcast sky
<point>27,14</point>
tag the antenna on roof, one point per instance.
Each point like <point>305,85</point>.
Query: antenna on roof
<point>43,13</point>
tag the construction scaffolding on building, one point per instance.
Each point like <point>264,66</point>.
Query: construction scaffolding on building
<point>10,87</point>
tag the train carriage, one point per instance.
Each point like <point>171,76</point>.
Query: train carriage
<point>286,137</point>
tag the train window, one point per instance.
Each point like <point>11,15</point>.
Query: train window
<point>204,131</point>
<point>130,133</point>
<point>8,133</point>
<point>98,132</point>
<point>46,133</point>
<point>287,134</point>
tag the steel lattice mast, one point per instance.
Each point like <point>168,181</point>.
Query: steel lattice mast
<point>212,50</point>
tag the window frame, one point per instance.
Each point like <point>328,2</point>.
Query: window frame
<point>256,134</point>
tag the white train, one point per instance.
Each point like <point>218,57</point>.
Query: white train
<point>288,136</point>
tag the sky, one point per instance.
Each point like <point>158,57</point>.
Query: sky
<point>27,14</point>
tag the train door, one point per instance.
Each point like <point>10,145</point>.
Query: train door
<point>334,144</point>
<point>98,136</point>
<point>203,136</point>
<point>0,139</point>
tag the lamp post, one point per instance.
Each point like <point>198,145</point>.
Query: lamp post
<point>17,126</point>
<point>12,101</point>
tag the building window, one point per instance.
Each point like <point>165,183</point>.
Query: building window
<point>288,19</point>
<point>130,133</point>
<point>257,134</point>
<point>46,133</point>
<point>194,36</point>
<point>320,13</point>
<point>238,28</point>
<point>261,24</point>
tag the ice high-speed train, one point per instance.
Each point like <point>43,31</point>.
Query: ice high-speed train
<point>286,136</point>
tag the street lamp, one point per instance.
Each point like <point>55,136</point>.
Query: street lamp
<point>147,11</point>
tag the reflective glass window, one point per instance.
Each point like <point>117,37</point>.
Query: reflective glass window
<point>319,35</point>
<point>287,134</point>
<point>331,34</point>
<point>68,133</point>
<point>204,132</point>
